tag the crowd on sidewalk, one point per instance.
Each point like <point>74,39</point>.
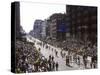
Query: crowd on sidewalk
<point>85,50</point>
<point>30,59</point>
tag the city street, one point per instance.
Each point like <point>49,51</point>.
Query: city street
<point>57,58</point>
<point>65,39</point>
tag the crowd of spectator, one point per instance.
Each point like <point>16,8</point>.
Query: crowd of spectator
<point>79,47</point>
<point>30,59</point>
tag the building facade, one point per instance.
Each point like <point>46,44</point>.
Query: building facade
<point>43,31</point>
<point>58,26</point>
<point>83,22</point>
<point>37,29</point>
